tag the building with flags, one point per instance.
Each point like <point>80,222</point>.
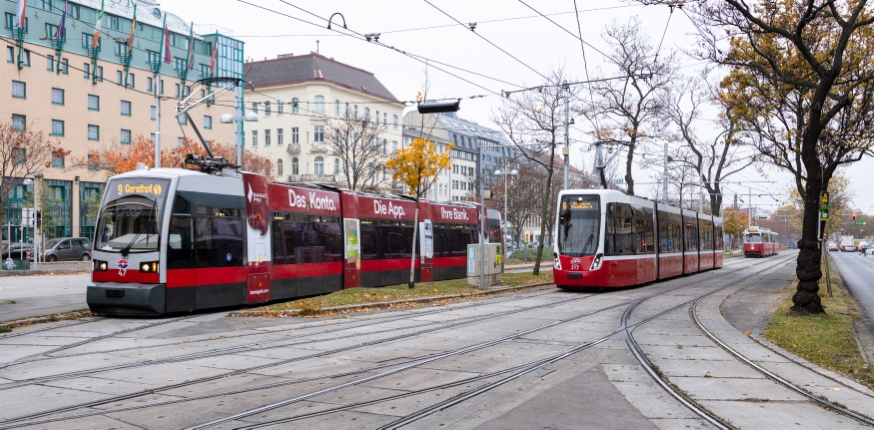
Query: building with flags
<point>86,72</point>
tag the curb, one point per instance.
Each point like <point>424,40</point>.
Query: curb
<point>383,305</point>
<point>46,318</point>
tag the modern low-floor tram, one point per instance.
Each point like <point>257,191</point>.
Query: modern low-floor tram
<point>760,242</point>
<point>608,239</point>
<point>174,240</point>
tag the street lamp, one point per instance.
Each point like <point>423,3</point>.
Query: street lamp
<point>239,119</point>
<point>37,238</point>
<point>513,172</point>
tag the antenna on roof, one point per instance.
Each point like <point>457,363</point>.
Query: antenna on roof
<point>317,46</point>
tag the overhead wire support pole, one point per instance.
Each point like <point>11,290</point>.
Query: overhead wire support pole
<point>567,142</point>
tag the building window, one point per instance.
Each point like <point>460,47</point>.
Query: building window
<point>50,63</point>
<point>394,146</point>
<point>57,128</point>
<point>114,23</point>
<point>255,107</point>
<point>295,135</point>
<point>319,134</point>
<point>295,166</point>
<point>19,122</point>
<point>207,122</point>
<point>336,107</point>
<point>183,120</point>
<point>93,102</point>
<point>267,108</point>
<point>149,85</point>
<point>93,132</point>
<point>65,66</point>
<point>58,159</point>
<point>92,165</point>
<point>153,112</point>
<point>384,118</point>
<point>336,166</point>
<point>19,155</point>
<point>25,58</point>
<point>267,137</point>
<point>125,108</point>
<point>279,108</point>
<point>19,90</point>
<point>10,54</point>
<point>131,80</point>
<point>99,73</point>
<point>279,140</point>
<point>180,142</point>
<point>320,104</point>
<point>86,71</point>
<point>125,137</point>
<point>279,167</point>
<point>254,138</point>
<point>319,166</point>
<point>57,96</point>
<point>119,77</point>
<point>161,86</point>
<point>120,48</point>
<point>178,91</point>
<point>366,114</point>
<point>295,105</point>
<point>356,112</point>
<point>377,118</point>
<point>152,137</point>
<point>394,119</point>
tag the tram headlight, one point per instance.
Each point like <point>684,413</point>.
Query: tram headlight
<point>149,267</point>
<point>596,263</point>
<point>557,263</point>
<point>100,266</point>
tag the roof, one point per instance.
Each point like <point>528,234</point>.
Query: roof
<point>315,68</point>
<point>453,124</point>
<point>148,12</point>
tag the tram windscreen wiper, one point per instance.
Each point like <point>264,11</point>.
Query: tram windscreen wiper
<point>588,242</point>
<point>126,250</point>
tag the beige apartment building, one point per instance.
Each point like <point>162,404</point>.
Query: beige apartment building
<point>302,104</point>
<point>92,100</point>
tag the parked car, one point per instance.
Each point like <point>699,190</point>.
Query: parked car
<point>532,244</point>
<point>67,248</point>
<point>18,251</point>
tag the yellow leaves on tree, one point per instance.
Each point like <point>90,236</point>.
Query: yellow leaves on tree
<point>121,158</point>
<point>417,165</point>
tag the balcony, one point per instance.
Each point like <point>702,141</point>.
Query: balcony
<point>293,148</point>
<point>293,178</point>
<point>317,178</point>
<point>320,148</point>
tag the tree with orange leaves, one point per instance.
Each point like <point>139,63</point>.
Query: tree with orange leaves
<point>121,158</point>
<point>417,166</point>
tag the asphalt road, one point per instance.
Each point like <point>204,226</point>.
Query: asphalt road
<point>858,272</point>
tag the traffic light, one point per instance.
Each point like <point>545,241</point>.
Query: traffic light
<point>38,219</point>
<point>854,217</point>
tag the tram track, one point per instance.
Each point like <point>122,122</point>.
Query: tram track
<point>373,321</point>
<point>19,421</point>
<point>693,315</point>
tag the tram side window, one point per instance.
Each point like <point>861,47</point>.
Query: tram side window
<point>643,239</point>
<point>218,237</point>
<point>304,238</point>
<point>623,236</point>
<point>180,249</point>
<point>691,236</point>
<point>720,240</point>
<point>667,233</point>
<point>369,239</point>
<point>441,240</point>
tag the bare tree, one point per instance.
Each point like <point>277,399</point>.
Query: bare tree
<point>534,123</point>
<point>357,143</point>
<point>625,111</point>
<point>715,159</point>
<point>24,150</point>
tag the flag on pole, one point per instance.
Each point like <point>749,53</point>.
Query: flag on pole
<point>20,13</point>
<point>165,44</point>
<point>133,29</point>
<point>212,60</point>
<point>96,42</point>
<point>191,48</point>
<point>62,27</point>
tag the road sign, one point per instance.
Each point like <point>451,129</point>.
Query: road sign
<point>860,222</point>
<point>27,218</point>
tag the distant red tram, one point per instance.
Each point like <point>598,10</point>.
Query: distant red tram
<point>760,242</point>
<point>608,239</point>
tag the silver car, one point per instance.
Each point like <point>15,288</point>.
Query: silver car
<point>67,248</point>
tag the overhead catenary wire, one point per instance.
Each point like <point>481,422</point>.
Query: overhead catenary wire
<point>488,41</point>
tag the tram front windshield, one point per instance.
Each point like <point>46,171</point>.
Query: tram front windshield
<point>753,238</point>
<point>579,225</point>
<point>130,218</point>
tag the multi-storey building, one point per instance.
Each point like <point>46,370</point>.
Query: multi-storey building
<point>305,103</point>
<point>461,182</point>
<point>92,99</point>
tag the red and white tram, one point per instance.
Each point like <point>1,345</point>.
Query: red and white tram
<point>760,242</point>
<point>173,240</point>
<point>609,239</point>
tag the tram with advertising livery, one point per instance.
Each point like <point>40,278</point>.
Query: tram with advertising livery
<point>176,240</point>
<point>608,239</point>
<point>760,242</point>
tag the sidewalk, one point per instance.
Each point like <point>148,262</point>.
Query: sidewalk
<point>58,268</point>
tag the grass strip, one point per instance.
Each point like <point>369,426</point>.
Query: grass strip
<point>357,296</point>
<point>826,340</point>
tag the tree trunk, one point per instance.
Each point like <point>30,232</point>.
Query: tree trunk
<point>808,269</point>
<point>629,166</point>
<point>412,283</point>
<point>544,209</point>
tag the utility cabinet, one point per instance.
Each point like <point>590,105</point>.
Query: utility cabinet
<point>492,272</point>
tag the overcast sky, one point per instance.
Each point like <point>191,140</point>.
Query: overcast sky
<point>541,45</point>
